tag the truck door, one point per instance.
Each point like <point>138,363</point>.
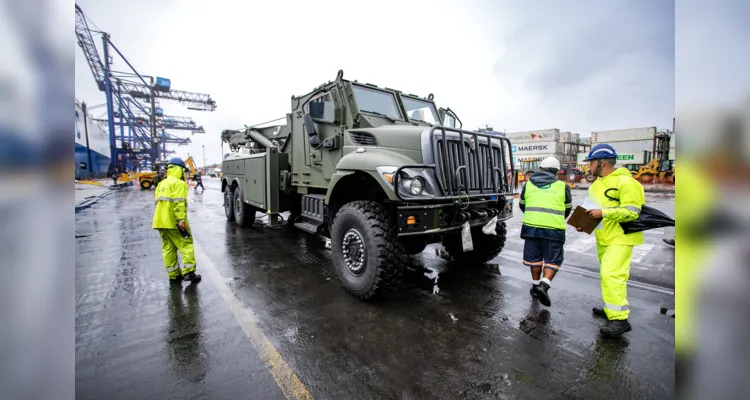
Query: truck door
<point>325,110</point>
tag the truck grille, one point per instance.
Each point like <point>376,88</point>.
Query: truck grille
<point>478,161</point>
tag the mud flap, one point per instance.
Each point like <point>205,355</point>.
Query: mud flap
<point>489,228</point>
<point>466,237</point>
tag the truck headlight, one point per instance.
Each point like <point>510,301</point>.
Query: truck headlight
<point>416,186</point>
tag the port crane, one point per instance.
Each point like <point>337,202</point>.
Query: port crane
<point>131,101</point>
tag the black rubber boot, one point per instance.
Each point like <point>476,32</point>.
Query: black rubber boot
<point>192,277</point>
<point>615,328</point>
<point>541,293</point>
<point>176,280</point>
<point>533,290</point>
<point>599,312</point>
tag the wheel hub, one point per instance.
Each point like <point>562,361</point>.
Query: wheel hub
<point>353,246</point>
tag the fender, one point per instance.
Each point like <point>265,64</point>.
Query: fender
<point>367,162</point>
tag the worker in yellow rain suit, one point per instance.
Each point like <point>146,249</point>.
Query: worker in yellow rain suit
<point>614,247</point>
<point>171,214</point>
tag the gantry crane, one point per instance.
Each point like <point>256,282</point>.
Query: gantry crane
<point>126,93</point>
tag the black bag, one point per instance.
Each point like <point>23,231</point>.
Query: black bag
<point>650,218</point>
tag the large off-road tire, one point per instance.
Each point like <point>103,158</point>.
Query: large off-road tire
<point>368,259</point>
<point>590,178</point>
<point>146,184</point>
<point>244,214</point>
<point>486,247</point>
<point>229,203</point>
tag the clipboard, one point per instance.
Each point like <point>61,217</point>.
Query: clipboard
<point>579,219</point>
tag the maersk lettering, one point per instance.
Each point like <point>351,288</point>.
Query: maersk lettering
<point>535,147</point>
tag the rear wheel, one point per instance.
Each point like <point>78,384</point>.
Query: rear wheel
<point>229,203</point>
<point>244,214</point>
<point>486,247</point>
<point>367,257</point>
<point>589,178</point>
<point>146,184</point>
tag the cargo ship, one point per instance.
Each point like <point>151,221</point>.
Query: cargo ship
<point>92,156</point>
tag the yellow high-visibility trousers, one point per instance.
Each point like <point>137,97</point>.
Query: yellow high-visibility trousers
<point>171,242</point>
<point>614,261</point>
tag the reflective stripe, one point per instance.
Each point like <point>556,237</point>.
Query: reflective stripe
<point>162,198</point>
<point>615,308</point>
<point>546,210</point>
<point>188,266</point>
<point>174,268</point>
<point>531,264</point>
<point>634,209</point>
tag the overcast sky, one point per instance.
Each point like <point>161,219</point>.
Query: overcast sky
<point>579,66</point>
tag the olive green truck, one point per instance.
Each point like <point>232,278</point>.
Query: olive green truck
<point>380,173</point>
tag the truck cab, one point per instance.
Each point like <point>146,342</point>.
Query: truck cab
<point>380,172</point>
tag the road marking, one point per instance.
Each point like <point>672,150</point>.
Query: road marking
<point>517,258</point>
<point>581,244</point>
<point>640,251</point>
<point>285,378</point>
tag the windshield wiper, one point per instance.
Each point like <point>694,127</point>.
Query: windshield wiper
<point>419,120</point>
<point>379,114</point>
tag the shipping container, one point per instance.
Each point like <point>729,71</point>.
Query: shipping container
<point>587,140</point>
<point>672,152</point>
<point>560,157</point>
<point>576,137</point>
<point>536,148</point>
<point>633,146</point>
<point>624,135</point>
<point>534,136</point>
<point>638,158</point>
<point>565,136</point>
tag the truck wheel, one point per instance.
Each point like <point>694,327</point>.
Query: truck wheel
<point>486,247</point>
<point>366,255</point>
<point>145,184</point>
<point>244,214</point>
<point>229,203</point>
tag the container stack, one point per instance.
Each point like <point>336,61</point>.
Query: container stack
<point>544,143</point>
<point>633,146</point>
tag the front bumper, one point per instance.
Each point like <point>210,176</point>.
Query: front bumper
<point>431,219</point>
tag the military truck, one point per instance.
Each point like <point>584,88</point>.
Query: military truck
<point>380,173</point>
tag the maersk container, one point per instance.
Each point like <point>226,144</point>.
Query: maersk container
<point>541,156</point>
<point>535,148</point>
<point>534,136</point>
<point>624,135</point>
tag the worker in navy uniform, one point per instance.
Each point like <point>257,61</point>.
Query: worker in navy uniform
<point>198,181</point>
<point>545,202</point>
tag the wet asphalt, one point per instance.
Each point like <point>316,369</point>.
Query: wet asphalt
<point>451,332</point>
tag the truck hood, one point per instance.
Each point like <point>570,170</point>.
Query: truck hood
<point>405,137</point>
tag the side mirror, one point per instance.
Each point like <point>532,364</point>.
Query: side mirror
<point>312,134</point>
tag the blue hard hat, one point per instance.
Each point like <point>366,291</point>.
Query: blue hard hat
<point>601,151</point>
<point>176,161</point>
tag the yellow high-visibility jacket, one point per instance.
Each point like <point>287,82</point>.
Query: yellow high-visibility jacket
<point>632,198</point>
<point>171,200</point>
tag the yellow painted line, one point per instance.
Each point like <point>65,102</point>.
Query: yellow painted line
<point>285,378</point>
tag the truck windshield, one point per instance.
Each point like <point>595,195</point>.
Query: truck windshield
<point>376,102</point>
<point>420,110</point>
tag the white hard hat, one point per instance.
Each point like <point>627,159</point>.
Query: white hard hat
<point>550,162</point>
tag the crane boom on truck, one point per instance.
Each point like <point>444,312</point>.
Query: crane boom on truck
<point>379,172</point>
